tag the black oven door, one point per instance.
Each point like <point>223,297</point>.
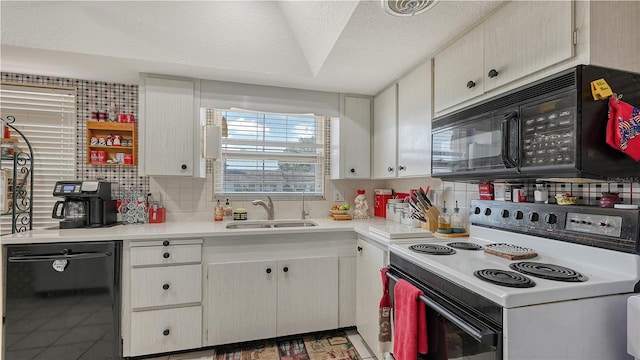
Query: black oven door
<point>478,148</point>
<point>453,332</point>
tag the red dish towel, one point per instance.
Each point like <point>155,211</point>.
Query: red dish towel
<point>384,316</point>
<point>410,322</point>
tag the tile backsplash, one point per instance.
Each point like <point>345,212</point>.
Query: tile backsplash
<point>187,198</point>
<point>94,96</point>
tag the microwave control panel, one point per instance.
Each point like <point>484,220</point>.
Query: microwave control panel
<point>549,138</point>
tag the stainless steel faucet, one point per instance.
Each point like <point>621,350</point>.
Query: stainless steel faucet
<point>268,208</point>
<point>304,213</point>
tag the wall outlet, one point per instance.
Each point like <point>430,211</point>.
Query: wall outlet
<point>338,196</point>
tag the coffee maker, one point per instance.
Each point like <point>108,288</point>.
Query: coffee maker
<point>85,204</point>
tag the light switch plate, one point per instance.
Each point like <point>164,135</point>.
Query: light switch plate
<point>338,196</point>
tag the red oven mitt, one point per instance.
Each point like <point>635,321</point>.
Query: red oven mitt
<point>623,128</point>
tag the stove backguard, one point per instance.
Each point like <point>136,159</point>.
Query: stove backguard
<point>613,229</point>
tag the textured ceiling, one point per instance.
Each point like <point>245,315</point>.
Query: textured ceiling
<point>344,46</point>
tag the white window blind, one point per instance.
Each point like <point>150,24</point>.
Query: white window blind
<point>267,153</point>
<point>47,118</point>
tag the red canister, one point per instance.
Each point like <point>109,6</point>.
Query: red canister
<point>102,157</point>
<point>128,159</point>
<point>94,156</point>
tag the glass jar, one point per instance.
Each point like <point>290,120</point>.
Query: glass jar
<point>444,221</point>
<point>541,195</point>
<point>457,224</point>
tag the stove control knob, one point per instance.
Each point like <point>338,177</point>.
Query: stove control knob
<point>550,218</point>
<point>477,210</point>
<point>519,215</point>
<point>505,213</point>
<point>533,217</point>
<point>487,212</point>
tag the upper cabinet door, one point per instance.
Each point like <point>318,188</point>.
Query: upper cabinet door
<point>414,123</point>
<point>524,37</point>
<point>458,71</point>
<point>351,139</point>
<point>385,111</point>
<point>168,127</point>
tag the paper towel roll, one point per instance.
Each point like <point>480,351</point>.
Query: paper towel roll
<point>633,326</point>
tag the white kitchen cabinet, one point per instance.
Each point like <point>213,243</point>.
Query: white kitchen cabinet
<point>458,70</point>
<point>524,37</point>
<point>162,296</point>
<point>170,127</point>
<point>307,295</point>
<point>519,39</point>
<point>370,259</point>
<point>402,127</point>
<point>166,330</point>
<point>242,299</point>
<point>264,299</point>
<point>414,123</point>
<point>351,139</point>
<point>385,119</point>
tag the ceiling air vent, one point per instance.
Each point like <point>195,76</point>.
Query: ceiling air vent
<point>407,7</point>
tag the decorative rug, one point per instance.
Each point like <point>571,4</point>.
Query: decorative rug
<point>318,346</point>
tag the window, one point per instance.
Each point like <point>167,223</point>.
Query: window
<point>47,118</point>
<point>273,154</point>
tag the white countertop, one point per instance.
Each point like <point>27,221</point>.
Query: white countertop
<point>201,229</point>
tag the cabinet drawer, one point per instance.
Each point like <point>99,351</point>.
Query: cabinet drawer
<point>166,330</point>
<point>160,255</point>
<point>170,285</point>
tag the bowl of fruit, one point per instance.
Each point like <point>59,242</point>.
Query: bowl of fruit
<point>340,209</point>
<point>566,199</point>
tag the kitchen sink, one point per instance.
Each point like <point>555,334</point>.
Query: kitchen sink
<point>251,225</point>
<point>301,223</point>
<point>271,224</point>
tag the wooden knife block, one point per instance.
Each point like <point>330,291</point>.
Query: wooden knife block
<point>432,220</point>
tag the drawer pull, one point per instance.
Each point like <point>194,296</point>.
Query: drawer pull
<point>165,286</point>
<point>165,255</point>
<point>268,270</point>
<point>165,243</point>
<point>166,332</point>
<point>359,248</point>
<point>285,269</point>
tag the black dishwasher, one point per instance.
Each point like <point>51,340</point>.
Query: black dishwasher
<point>62,301</point>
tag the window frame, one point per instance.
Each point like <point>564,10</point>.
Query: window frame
<point>321,146</point>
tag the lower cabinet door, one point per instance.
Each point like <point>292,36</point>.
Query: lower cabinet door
<point>307,295</point>
<point>159,331</point>
<point>241,302</point>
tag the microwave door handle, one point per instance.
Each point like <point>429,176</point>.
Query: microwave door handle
<point>483,336</point>
<point>505,127</point>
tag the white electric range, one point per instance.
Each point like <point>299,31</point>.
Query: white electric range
<point>568,301</point>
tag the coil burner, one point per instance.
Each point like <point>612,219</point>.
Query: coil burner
<point>463,245</point>
<point>548,271</point>
<point>432,249</point>
<point>504,278</point>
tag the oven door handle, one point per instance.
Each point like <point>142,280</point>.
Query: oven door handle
<point>32,258</point>
<point>483,336</point>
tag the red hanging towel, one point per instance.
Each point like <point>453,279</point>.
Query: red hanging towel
<point>384,316</point>
<point>623,128</point>
<point>410,322</point>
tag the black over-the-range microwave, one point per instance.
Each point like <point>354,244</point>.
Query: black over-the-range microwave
<point>552,128</point>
